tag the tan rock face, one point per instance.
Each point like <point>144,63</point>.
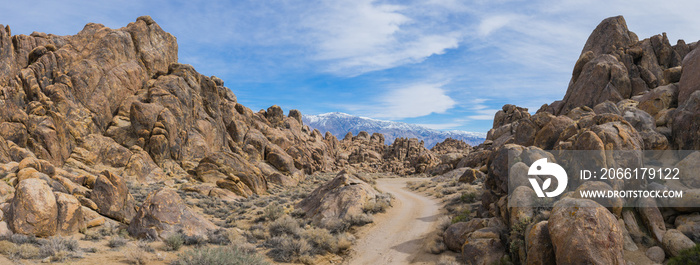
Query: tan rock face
<point>164,214</point>
<point>34,210</point>
<point>539,245</point>
<point>112,197</point>
<point>587,229</point>
<point>338,198</point>
<point>70,214</point>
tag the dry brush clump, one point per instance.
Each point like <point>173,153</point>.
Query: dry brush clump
<point>221,255</point>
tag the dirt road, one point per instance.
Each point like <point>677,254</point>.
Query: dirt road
<point>398,236</point>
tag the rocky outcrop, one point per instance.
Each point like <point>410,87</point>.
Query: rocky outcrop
<point>587,229</point>
<point>164,214</point>
<point>33,210</point>
<point>615,65</point>
<point>112,198</point>
<point>338,199</point>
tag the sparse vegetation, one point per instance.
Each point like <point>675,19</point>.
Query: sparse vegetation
<point>688,256</point>
<point>287,249</point>
<point>228,255</point>
<point>284,226</point>
<point>136,256</point>
<point>273,211</point>
<point>321,240</point>
<point>464,216</point>
<point>174,242</point>
<point>58,248</point>
<point>117,242</point>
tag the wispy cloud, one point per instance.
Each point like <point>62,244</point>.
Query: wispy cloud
<point>355,37</point>
<point>407,101</point>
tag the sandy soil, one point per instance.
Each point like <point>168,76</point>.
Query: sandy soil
<point>399,235</point>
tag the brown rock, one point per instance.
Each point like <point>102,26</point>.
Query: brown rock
<point>603,78</point>
<point>112,197</point>
<point>230,167</point>
<point>652,218</point>
<point>601,241</point>
<point>611,34</point>
<point>674,242</point>
<point>659,98</point>
<point>470,175</point>
<point>690,78</point>
<point>689,225</point>
<point>656,254</point>
<point>540,250</point>
<point>686,123</point>
<point>163,214</point>
<point>33,209</point>
<point>338,198</point>
<point>70,215</point>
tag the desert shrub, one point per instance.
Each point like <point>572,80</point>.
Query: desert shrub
<point>193,240</point>
<point>229,255</point>
<point>8,248</point>
<point>174,242</point>
<point>29,251</point>
<point>93,236</point>
<point>436,245</point>
<point>116,242</point>
<point>358,219</point>
<point>298,213</point>
<point>462,217</point>
<point>287,249</point>
<point>273,211</point>
<point>321,240</point>
<point>446,260</point>
<point>345,241</point>
<point>688,256</point>
<point>443,223</point>
<point>145,246</point>
<point>58,248</point>
<point>517,237</point>
<point>379,205</point>
<point>136,256</point>
<point>219,237</point>
<point>468,197</point>
<point>21,239</point>
<point>285,225</point>
<point>337,225</point>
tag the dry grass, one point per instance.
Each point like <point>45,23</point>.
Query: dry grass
<point>136,256</point>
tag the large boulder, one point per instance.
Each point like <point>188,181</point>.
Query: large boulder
<point>33,210</point>
<point>339,198</point>
<point>584,232</point>
<point>70,214</point>
<point>233,172</point>
<point>611,34</point>
<point>112,197</point>
<point>674,242</point>
<point>539,245</point>
<point>686,123</point>
<point>690,76</point>
<point>601,79</point>
<point>163,214</point>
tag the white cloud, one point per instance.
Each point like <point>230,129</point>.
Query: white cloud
<point>492,23</point>
<point>411,101</point>
<point>481,111</point>
<point>356,37</point>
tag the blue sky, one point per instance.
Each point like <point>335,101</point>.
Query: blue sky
<point>446,64</point>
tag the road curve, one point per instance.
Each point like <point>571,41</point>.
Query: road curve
<point>398,236</point>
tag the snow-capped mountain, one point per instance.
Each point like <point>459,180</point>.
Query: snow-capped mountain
<point>340,124</point>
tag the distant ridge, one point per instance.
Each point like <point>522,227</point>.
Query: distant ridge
<point>340,124</point>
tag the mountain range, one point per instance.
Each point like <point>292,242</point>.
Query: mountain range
<point>340,124</point>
